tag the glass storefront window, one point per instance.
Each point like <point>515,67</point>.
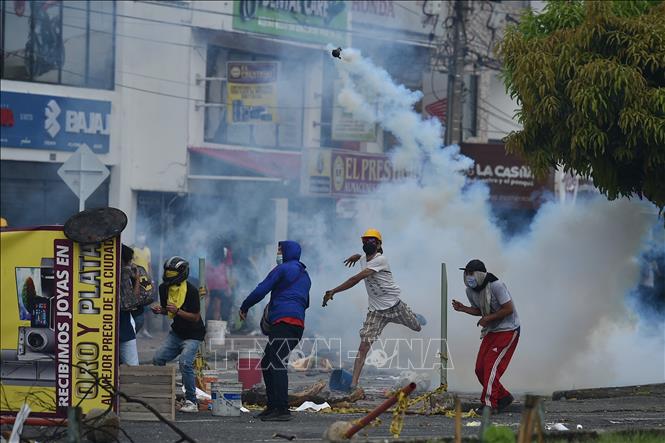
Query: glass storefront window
<point>284,133</point>
<point>62,42</point>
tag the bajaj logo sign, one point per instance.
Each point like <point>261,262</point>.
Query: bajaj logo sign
<point>52,111</point>
<point>76,122</point>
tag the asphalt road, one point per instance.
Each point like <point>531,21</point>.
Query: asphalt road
<point>609,414</point>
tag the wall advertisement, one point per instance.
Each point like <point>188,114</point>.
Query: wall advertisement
<point>59,314</point>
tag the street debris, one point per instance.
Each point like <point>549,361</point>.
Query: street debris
<point>312,363</point>
<point>316,393</point>
<point>473,424</point>
<point>308,405</point>
<point>556,427</point>
<point>422,381</point>
<point>284,436</point>
<point>337,431</point>
<point>101,426</point>
<point>17,429</point>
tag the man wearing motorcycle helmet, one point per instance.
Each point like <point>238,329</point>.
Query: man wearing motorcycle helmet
<point>179,299</point>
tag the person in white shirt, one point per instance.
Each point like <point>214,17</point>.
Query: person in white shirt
<point>383,294</point>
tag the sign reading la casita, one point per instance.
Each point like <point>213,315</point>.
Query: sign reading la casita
<point>54,123</point>
<point>508,177</point>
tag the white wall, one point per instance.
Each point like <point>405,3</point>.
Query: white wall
<point>498,109</point>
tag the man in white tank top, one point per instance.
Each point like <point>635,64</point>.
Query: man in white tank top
<point>384,303</point>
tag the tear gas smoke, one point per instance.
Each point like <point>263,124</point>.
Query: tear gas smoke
<point>568,274</point>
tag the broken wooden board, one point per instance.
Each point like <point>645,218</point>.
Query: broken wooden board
<point>154,385</point>
<point>317,393</point>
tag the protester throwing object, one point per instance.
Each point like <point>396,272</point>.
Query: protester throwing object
<point>283,322</point>
<point>385,305</point>
<point>491,301</point>
<point>179,299</point>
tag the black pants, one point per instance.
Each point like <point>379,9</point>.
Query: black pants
<point>282,340</point>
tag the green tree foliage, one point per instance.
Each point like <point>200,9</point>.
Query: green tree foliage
<point>590,79</point>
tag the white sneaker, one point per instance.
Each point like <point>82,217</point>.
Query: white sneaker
<point>189,407</point>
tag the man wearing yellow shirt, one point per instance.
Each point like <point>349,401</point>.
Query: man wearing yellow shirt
<point>142,255</point>
<point>143,258</point>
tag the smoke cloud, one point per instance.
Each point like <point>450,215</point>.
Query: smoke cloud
<point>568,274</point>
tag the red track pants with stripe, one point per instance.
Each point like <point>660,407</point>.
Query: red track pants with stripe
<point>495,352</point>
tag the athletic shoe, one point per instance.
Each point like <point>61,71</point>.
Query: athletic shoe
<point>189,406</point>
<point>263,413</point>
<point>481,409</point>
<point>422,320</point>
<point>505,402</point>
<point>278,415</point>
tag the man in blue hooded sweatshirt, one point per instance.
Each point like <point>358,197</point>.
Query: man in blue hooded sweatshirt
<point>289,285</point>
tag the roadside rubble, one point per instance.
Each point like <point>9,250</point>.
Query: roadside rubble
<point>316,393</point>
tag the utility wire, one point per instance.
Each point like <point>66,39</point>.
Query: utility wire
<point>226,14</point>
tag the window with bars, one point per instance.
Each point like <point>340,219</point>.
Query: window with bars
<point>284,133</point>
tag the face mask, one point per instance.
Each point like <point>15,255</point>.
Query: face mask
<point>370,248</point>
<point>279,259</point>
<point>471,281</point>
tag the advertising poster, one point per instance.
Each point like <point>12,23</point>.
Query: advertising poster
<point>59,314</point>
<point>54,123</point>
<point>251,92</point>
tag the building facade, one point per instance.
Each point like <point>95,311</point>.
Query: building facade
<point>213,116</point>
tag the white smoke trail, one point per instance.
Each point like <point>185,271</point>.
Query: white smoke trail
<point>568,275</point>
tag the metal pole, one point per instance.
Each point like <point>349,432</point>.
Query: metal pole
<point>443,353</point>
<point>73,424</point>
<point>361,423</point>
<point>81,204</point>
<point>455,74</point>
<point>202,285</point>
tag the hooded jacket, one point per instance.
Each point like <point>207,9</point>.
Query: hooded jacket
<point>289,285</point>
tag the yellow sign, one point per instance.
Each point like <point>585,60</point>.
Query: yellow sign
<point>59,315</point>
<point>251,91</point>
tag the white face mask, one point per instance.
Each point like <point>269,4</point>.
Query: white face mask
<point>471,281</point>
<point>279,260</point>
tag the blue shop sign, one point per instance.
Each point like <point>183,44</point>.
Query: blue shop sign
<point>54,123</point>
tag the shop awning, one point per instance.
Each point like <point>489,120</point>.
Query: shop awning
<point>285,165</point>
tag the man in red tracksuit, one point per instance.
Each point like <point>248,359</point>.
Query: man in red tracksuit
<point>491,300</point>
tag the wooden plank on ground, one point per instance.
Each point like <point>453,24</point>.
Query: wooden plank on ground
<point>151,379</point>
<point>142,390</point>
<point>153,384</point>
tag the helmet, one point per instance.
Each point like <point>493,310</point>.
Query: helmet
<point>372,233</point>
<point>176,270</point>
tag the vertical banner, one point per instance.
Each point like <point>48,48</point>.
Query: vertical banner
<point>59,310</point>
<point>251,91</point>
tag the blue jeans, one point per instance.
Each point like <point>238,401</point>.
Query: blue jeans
<point>171,348</point>
<point>128,353</point>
